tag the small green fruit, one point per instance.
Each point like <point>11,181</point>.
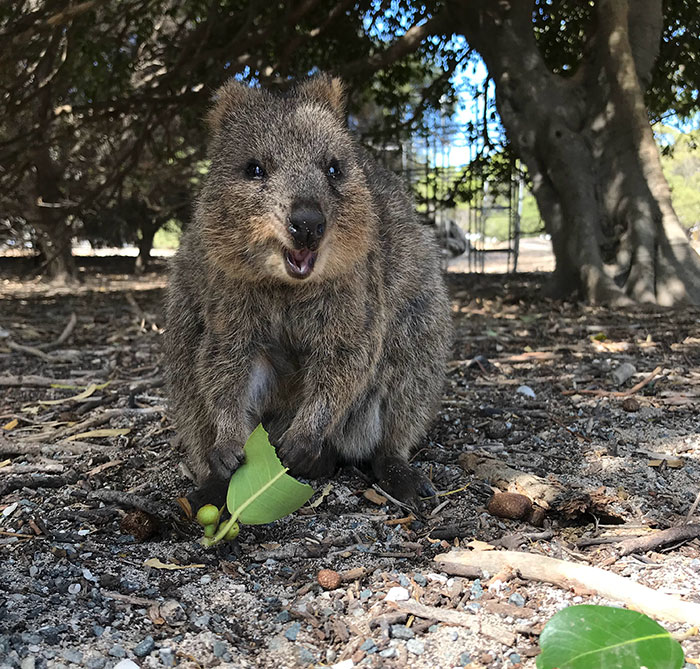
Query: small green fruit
<point>232,533</point>
<point>208,515</point>
<point>210,530</point>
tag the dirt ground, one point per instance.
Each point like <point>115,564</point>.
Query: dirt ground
<point>101,567</point>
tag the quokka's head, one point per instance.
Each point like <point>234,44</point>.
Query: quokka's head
<point>285,198</point>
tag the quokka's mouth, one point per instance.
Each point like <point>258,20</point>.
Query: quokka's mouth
<point>300,262</point>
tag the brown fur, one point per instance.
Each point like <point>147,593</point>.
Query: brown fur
<point>345,365</point>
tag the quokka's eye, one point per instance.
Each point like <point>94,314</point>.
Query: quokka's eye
<point>254,170</point>
<point>333,170</point>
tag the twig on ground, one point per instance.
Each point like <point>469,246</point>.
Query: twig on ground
<point>569,574</point>
<point>649,542</point>
<point>37,481</point>
<point>693,508</point>
<point>33,380</point>
<point>617,393</point>
<point>30,350</point>
<point>450,616</point>
<point>67,331</point>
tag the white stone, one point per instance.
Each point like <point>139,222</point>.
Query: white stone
<point>397,594</point>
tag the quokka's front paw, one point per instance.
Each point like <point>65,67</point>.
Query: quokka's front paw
<point>226,457</point>
<point>303,456</point>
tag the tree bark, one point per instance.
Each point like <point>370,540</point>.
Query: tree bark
<point>589,150</point>
<point>47,211</point>
<point>148,232</point>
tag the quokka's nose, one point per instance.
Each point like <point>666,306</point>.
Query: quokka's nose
<point>306,225</point>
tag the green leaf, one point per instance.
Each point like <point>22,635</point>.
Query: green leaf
<point>588,637</point>
<point>260,490</point>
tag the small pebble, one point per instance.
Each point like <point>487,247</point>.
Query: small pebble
<point>282,617</point>
<point>464,658</point>
<point>526,391</point>
<point>623,372</point>
<point>397,594</point>
<point>403,580</point>
<point>145,647</point>
<point>420,579</point>
<point>117,651</point>
<point>167,656</point>
<point>9,510</point>
<point>345,664</point>
<point>695,564</point>
<point>87,575</point>
<point>27,663</point>
<point>292,631</point>
<point>74,656</point>
<point>517,599</point>
<point>402,632</point>
<point>305,656</point>
<point>414,646</point>
<point>366,594</point>
<point>97,630</point>
<point>477,589</point>
<point>202,622</point>
<point>388,652</point>
<point>219,648</point>
<point>369,646</point>
<point>95,662</point>
<point>473,607</point>
<point>74,588</point>
<point>33,570</point>
<point>205,579</point>
<point>514,658</point>
<point>126,664</point>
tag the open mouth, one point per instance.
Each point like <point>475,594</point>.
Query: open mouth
<point>300,262</point>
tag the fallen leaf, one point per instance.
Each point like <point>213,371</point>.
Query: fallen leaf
<point>106,465</point>
<point>374,497</point>
<point>106,432</point>
<point>186,507</point>
<point>79,397</point>
<point>11,425</point>
<point>480,545</point>
<point>324,493</point>
<point>155,563</point>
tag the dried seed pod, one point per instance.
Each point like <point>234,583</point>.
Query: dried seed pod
<point>328,579</point>
<point>630,404</point>
<point>139,524</point>
<point>509,505</point>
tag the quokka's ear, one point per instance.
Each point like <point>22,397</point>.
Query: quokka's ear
<point>227,97</point>
<point>327,90</point>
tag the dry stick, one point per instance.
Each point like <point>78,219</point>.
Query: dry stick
<point>693,508</point>
<point>29,380</point>
<point>662,538</point>
<point>618,393</point>
<point>468,620</point>
<point>571,574</point>
<point>67,331</point>
<point>30,350</point>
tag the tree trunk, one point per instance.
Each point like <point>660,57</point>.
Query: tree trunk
<point>48,210</point>
<point>148,232</point>
<point>589,150</point>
